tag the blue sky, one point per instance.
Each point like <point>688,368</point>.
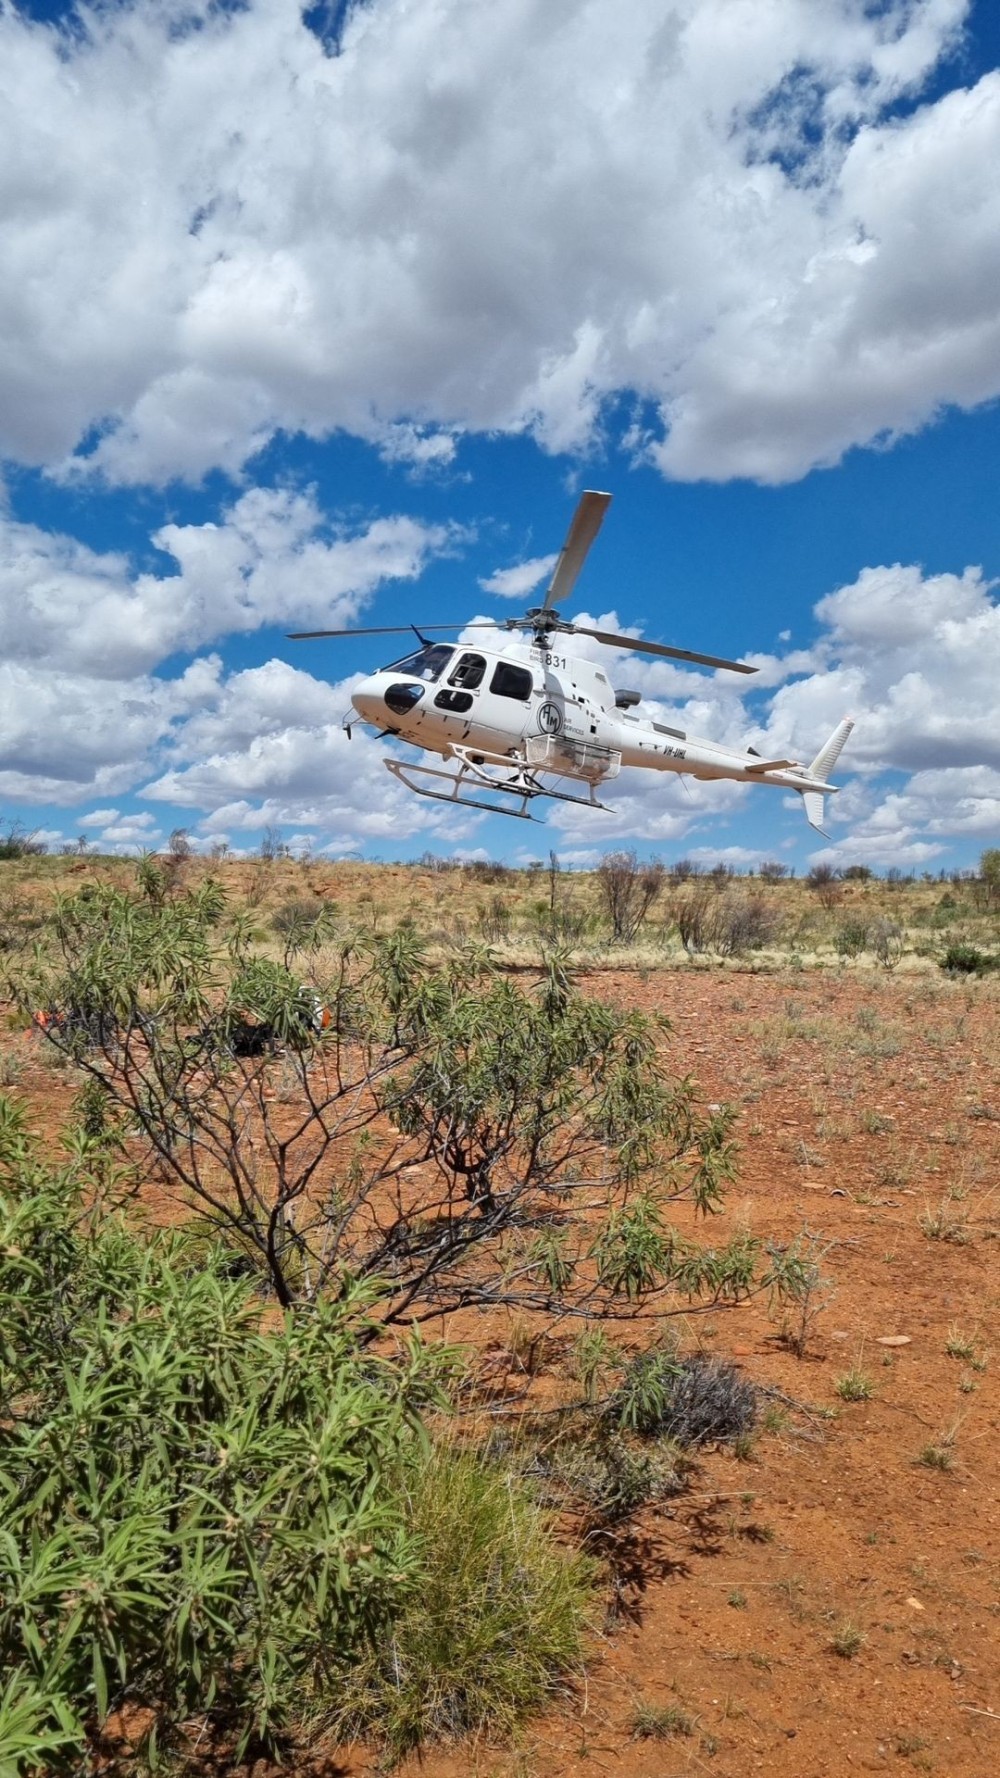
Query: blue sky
<point>296,333</point>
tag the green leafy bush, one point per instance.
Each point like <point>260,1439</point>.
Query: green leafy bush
<point>204,1516</point>
<point>197,1514</point>
<point>968,960</point>
<point>851,938</point>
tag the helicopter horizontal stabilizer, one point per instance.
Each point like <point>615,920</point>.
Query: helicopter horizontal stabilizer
<point>770,765</point>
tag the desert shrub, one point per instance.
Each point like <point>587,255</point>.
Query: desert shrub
<point>20,921</point>
<point>799,1291</point>
<point>987,886</point>
<point>851,938</point>
<point>493,921</point>
<point>628,890</point>
<point>607,1477</point>
<point>272,845</point>
<point>968,960</point>
<point>485,870</point>
<point>497,1105</point>
<point>11,1066</point>
<point>432,861</point>
<point>693,1400</point>
<point>825,884</point>
<point>857,873</point>
<point>660,1722</point>
<point>887,942</point>
<point>17,842</point>
<point>499,1616</point>
<point>692,913</point>
<point>197,1513</point>
<point>561,923</point>
<point>303,924</point>
<point>742,922</point>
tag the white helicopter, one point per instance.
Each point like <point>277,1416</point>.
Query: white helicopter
<point>510,717</point>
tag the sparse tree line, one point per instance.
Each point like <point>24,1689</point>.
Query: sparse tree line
<point>16,841</point>
<point>626,902</point>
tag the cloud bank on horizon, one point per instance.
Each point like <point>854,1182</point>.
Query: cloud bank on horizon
<point>723,238</point>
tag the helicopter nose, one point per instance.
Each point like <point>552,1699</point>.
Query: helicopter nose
<point>383,700</point>
<point>369,701</point>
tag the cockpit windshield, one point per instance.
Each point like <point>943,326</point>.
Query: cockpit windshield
<point>427,664</point>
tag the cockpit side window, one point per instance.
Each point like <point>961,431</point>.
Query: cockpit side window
<point>469,671</point>
<point>427,664</point>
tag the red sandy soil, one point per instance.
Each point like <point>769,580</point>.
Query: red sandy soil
<point>868,1104</point>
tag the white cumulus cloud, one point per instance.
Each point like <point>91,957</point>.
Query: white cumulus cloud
<point>83,711</point>
<point>739,210</point>
<point>273,559</point>
<point>521,579</point>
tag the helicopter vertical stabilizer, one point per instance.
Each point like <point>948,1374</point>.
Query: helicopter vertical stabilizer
<point>829,754</point>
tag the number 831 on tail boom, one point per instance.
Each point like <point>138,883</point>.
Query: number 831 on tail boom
<point>521,715</point>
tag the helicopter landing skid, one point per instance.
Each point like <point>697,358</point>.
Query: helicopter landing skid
<point>523,786</point>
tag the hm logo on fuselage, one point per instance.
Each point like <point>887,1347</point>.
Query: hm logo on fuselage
<point>550,719</point>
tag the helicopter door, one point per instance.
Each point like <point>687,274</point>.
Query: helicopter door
<point>502,713</point>
<point>464,680</point>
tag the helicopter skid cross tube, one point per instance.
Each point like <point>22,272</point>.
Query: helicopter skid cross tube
<point>523,786</point>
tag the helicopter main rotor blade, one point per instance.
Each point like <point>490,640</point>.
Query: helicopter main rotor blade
<point>583,529</point>
<point>673,654</point>
<point>385,630</point>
